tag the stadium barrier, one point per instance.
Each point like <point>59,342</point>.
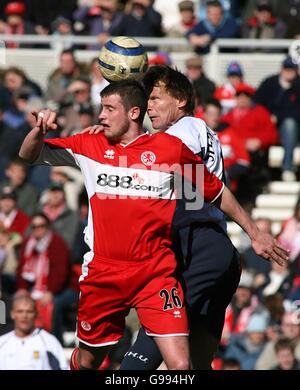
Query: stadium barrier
<point>39,63</point>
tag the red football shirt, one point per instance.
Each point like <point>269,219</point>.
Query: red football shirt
<point>130,188</point>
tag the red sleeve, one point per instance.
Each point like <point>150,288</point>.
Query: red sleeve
<point>208,184</point>
<point>64,143</point>
<point>59,270</point>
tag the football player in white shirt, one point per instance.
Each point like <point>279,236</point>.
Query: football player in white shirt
<point>28,347</point>
<point>208,260</point>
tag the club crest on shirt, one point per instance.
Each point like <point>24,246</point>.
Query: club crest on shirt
<point>86,326</point>
<point>148,158</point>
<point>109,154</point>
<point>36,355</point>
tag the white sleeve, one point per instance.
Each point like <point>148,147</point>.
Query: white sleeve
<point>54,346</point>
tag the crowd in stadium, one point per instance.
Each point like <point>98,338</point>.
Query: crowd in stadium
<point>44,210</point>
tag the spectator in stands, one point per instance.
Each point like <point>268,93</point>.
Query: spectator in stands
<point>230,364</point>
<point>61,28</point>
<point>290,329</point>
<point>12,218</point>
<point>215,25</point>
<point>187,20</point>
<point>140,20</point>
<point>65,301</point>
<point>235,155</point>
<point>62,77</point>
<point>247,347</point>
<point>42,13</point>
<point>160,58</point>
<point>8,262</point>
<point>72,181</point>
<point>231,7</point>
<point>44,267</point>
<point>290,233</point>
<point>37,176</point>
<point>16,24</point>
<point>253,124</point>
<point>279,280</point>
<point>226,92</point>
<point>99,19</point>
<point>280,94</point>
<point>252,262</point>
<point>285,356</point>
<point>203,86</point>
<point>98,82</point>
<point>27,196</point>
<point>78,97</point>
<point>14,80</point>
<point>289,11</point>
<point>27,347</point>
<point>242,306</point>
<point>263,24</point>
<point>64,221</point>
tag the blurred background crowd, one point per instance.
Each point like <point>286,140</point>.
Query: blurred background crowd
<point>43,210</point>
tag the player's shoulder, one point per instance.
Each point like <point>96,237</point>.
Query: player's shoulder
<point>48,338</point>
<point>5,337</point>
<point>46,335</point>
<point>188,125</point>
<point>165,139</point>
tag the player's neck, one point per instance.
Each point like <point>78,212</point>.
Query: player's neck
<point>131,135</point>
<point>22,334</point>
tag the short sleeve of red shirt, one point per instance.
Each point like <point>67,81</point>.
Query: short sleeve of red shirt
<point>213,187</point>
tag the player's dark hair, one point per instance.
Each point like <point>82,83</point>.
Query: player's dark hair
<point>132,94</point>
<point>177,84</point>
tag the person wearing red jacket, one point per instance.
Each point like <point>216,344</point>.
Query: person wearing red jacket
<point>235,156</point>
<point>44,267</point>
<point>252,123</point>
<point>13,219</point>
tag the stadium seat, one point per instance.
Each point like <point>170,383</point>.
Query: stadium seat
<point>276,156</point>
<point>280,187</point>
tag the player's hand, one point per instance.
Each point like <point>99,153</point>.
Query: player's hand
<point>269,248</point>
<point>96,129</point>
<point>45,120</point>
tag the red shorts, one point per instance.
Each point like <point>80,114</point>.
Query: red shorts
<point>112,287</point>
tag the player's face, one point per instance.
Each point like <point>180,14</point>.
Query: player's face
<point>114,118</point>
<point>23,314</point>
<point>163,109</point>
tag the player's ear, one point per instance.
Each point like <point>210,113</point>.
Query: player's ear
<point>182,103</point>
<point>134,113</point>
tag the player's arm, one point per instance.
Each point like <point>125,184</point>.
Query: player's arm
<point>263,243</point>
<point>55,151</point>
<point>34,141</point>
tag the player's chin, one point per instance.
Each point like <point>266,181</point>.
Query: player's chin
<point>155,123</point>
